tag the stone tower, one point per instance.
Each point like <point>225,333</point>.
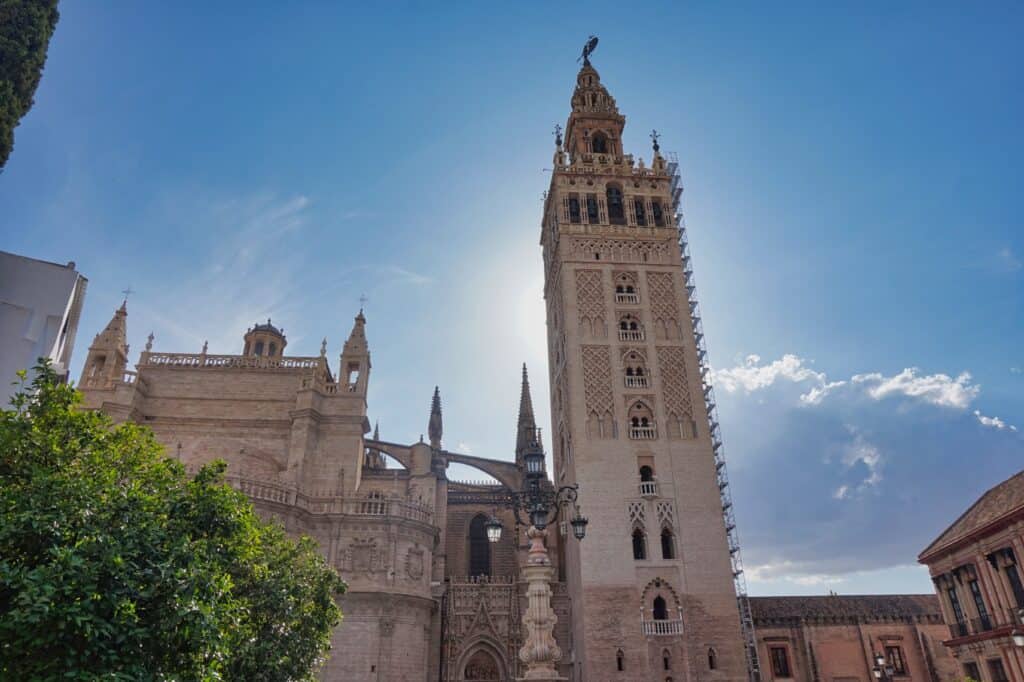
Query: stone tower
<point>652,585</point>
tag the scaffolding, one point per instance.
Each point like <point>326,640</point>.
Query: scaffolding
<point>728,515</point>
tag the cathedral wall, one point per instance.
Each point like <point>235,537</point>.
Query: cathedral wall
<point>504,561</point>
<point>382,639</point>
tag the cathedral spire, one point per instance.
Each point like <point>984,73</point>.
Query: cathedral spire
<point>355,358</point>
<point>526,429</point>
<point>434,428</point>
<point>108,355</point>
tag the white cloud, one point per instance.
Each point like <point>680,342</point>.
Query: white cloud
<point>935,389</point>
<point>861,452</point>
<point>994,422</point>
<point>751,376</point>
<point>1008,260</point>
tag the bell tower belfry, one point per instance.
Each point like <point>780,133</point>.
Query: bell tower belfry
<point>652,585</point>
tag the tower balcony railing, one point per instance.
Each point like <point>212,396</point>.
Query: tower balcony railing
<point>636,381</point>
<point>629,299</point>
<point>631,335</point>
<point>643,432</point>
<point>661,628</point>
<point>648,488</point>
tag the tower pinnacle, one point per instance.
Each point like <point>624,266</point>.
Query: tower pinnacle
<point>434,428</point>
<point>526,429</point>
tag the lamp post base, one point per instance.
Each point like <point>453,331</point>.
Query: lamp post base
<point>540,653</point>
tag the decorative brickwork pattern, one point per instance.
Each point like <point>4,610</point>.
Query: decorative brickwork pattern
<point>637,514</point>
<point>597,390</point>
<point>676,389</point>
<point>621,251</point>
<point>664,311</point>
<point>590,302</point>
<point>666,514</point>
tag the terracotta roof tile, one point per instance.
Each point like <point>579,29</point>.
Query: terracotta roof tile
<point>1001,500</point>
<point>845,608</point>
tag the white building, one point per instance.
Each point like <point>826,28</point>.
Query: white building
<point>40,304</point>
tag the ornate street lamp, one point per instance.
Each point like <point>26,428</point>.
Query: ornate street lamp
<point>542,505</point>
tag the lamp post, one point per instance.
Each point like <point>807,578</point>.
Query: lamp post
<point>542,505</point>
<point>883,670</point>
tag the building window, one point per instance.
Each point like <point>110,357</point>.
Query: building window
<point>640,211</point>
<point>668,550</point>
<point>666,659</point>
<point>660,610</point>
<point>984,621</point>
<point>780,661</point>
<point>894,655</point>
<point>273,350</point>
<point>996,670</point>
<point>971,671</point>
<point>592,215</point>
<point>620,660</point>
<point>1018,590</point>
<point>659,214</point>
<point>574,209</point>
<point>479,547</point>
<point>960,627</point>
<point>639,545</point>
<point>646,474</point>
<point>259,348</point>
<point>712,659</point>
<point>616,209</point>
<point>599,143</point>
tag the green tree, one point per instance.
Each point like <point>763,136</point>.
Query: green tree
<point>116,565</point>
<point>25,30</point>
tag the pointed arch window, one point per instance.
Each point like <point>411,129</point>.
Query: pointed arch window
<point>620,660</point>
<point>712,659</point>
<point>639,544</point>
<point>479,547</point>
<point>666,659</point>
<point>616,209</point>
<point>593,217</point>
<point>659,213</point>
<point>660,610</point>
<point>641,212</point>
<point>574,209</point>
<point>668,544</point>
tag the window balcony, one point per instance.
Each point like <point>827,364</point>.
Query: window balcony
<point>643,432</point>
<point>630,299</point>
<point>648,488</point>
<point>661,628</point>
<point>636,382</point>
<point>631,335</point>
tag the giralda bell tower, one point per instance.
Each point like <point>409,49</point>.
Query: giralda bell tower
<point>652,584</point>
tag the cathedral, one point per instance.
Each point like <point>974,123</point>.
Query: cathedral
<point>652,593</point>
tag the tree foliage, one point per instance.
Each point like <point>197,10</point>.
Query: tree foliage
<point>115,565</point>
<point>25,30</point>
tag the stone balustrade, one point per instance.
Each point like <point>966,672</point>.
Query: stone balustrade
<point>326,503</point>
<point>200,360</point>
<point>661,628</point>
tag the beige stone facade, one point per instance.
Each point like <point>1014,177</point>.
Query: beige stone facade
<point>651,586</point>
<point>975,566</point>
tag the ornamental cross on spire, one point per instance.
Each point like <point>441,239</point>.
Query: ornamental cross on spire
<point>363,300</point>
<point>128,291</point>
<point>654,139</point>
<point>558,136</point>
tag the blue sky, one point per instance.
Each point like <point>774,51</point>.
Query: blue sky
<point>852,191</point>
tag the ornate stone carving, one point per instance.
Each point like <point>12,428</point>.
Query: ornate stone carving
<point>414,563</point>
<point>597,390</point>
<point>618,251</point>
<point>590,302</point>
<point>363,556</point>
<point>676,389</point>
<point>664,312</point>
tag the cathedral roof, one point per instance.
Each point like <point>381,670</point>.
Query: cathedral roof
<point>999,502</point>
<point>845,608</point>
<point>268,327</point>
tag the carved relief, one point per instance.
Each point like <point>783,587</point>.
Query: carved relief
<point>597,391</point>
<point>676,389</point>
<point>363,556</point>
<point>666,514</point>
<point>664,311</point>
<point>590,302</point>
<point>414,563</point>
<point>617,251</point>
